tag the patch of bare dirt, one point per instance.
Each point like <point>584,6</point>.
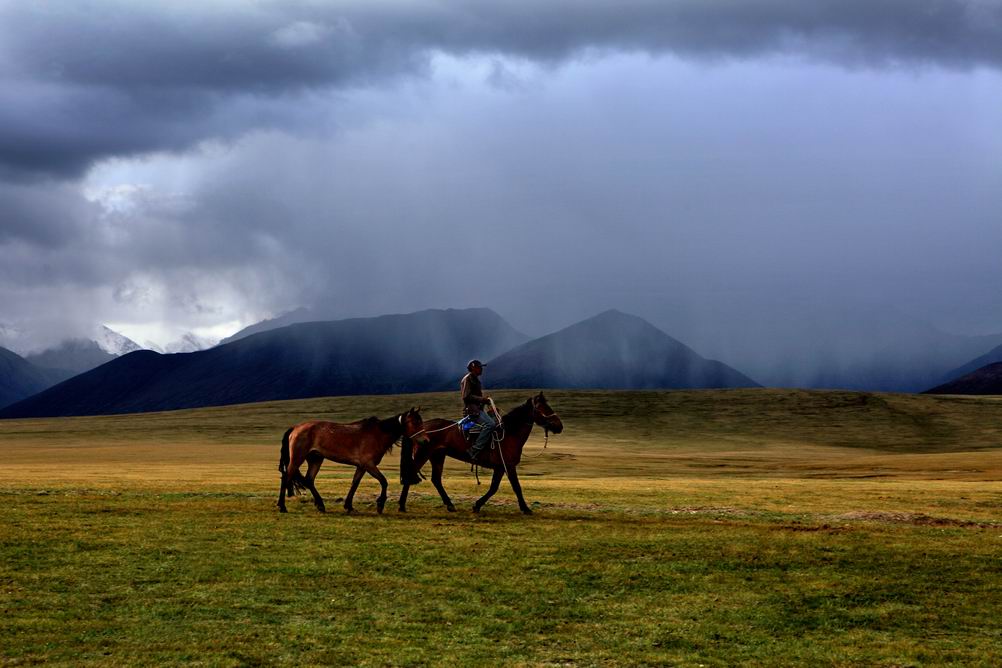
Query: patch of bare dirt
<point>917,519</point>
<point>705,510</point>
<point>809,528</point>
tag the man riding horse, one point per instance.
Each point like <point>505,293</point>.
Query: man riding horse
<point>474,403</point>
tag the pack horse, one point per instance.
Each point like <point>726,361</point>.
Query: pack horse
<point>360,444</point>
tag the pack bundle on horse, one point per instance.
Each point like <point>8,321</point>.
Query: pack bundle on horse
<point>360,444</point>
<point>446,439</point>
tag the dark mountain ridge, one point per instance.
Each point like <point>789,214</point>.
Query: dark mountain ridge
<point>19,378</point>
<point>985,380</point>
<point>612,350</point>
<point>992,356</point>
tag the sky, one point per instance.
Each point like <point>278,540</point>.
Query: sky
<point>173,167</point>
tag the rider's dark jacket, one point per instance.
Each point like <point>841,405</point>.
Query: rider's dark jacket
<point>473,395</point>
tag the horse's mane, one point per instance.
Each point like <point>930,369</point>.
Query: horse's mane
<point>511,415</point>
<point>389,426</point>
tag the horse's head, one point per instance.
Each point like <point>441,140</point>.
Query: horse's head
<point>544,416</point>
<point>414,426</point>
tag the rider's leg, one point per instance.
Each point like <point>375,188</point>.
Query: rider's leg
<point>487,424</point>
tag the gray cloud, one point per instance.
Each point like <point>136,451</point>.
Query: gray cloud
<point>83,82</point>
<point>203,164</point>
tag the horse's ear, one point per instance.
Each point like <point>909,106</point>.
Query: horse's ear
<point>418,409</point>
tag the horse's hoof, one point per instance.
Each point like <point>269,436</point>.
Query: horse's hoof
<point>476,508</point>
<point>349,511</point>
<point>401,509</point>
<point>321,509</point>
<point>282,509</point>
<point>451,508</point>
<point>527,511</point>
<point>379,510</point>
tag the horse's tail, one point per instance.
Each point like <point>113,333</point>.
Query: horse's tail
<point>283,455</point>
<point>297,482</point>
<point>408,475</point>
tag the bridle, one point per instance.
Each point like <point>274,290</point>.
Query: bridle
<point>546,428</point>
<point>400,419</point>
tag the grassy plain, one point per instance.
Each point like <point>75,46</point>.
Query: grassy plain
<point>755,527</point>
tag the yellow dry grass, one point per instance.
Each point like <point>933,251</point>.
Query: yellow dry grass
<point>769,450</point>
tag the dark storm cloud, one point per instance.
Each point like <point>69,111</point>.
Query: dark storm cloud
<point>51,216</point>
<point>82,81</point>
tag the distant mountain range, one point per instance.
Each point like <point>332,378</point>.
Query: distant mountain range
<point>984,380</point>
<point>612,350</point>
<point>19,378</point>
<point>415,352</point>
<point>388,354</point>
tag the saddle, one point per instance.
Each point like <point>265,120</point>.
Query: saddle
<point>470,428</point>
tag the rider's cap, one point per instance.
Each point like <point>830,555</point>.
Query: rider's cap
<point>474,363</point>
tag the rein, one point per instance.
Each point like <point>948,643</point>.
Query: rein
<point>434,431</point>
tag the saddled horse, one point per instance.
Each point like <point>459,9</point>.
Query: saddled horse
<point>446,439</point>
<point>361,444</point>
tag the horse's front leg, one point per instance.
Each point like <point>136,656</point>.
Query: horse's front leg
<point>495,483</point>
<point>420,457</point>
<point>359,472</point>
<point>513,479</point>
<point>378,475</point>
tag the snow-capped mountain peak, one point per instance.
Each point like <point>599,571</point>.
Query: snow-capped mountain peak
<point>114,343</point>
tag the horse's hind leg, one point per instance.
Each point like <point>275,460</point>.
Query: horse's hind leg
<point>513,479</point>
<point>402,503</point>
<point>281,492</point>
<point>315,460</point>
<point>437,465</point>
<point>378,475</point>
<point>495,483</point>
<point>289,475</point>
<point>359,472</point>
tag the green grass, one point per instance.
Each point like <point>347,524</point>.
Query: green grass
<point>684,528</point>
